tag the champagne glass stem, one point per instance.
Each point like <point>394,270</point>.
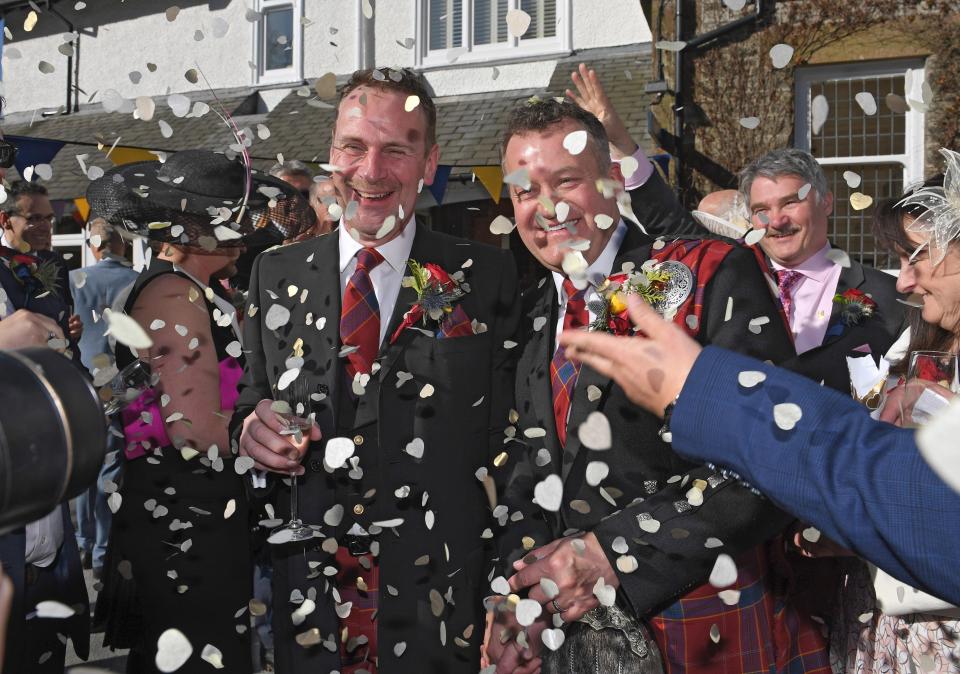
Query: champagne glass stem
<point>294,501</point>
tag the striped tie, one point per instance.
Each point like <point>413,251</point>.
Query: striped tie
<point>360,315</point>
<point>563,371</point>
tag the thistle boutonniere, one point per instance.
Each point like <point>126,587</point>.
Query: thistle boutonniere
<point>855,306</point>
<point>649,282</point>
<point>437,292</point>
<point>31,272</point>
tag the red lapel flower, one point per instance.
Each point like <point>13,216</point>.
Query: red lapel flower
<point>436,293</point>
<point>855,306</point>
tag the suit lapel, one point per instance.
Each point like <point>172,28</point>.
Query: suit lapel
<point>534,365</point>
<point>328,371</point>
<point>425,248</point>
<point>634,248</point>
<point>850,278</point>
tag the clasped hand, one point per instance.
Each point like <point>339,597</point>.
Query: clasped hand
<point>261,440</point>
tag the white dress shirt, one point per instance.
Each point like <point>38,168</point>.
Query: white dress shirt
<point>812,298</point>
<point>386,276</point>
<point>596,273</point>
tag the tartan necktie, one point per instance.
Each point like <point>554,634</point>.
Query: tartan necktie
<point>563,371</point>
<point>787,281</point>
<point>360,315</point>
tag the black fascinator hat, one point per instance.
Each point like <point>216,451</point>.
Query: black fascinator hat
<point>198,198</point>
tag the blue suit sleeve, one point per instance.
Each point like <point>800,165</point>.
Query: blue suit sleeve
<point>861,482</point>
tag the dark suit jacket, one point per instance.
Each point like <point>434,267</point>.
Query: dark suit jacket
<point>13,545</point>
<point>461,425</point>
<point>661,213</point>
<point>645,474</point>
<point>861,482</point>
<point>827,362</point>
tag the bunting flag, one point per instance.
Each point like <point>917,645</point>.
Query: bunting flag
<point>83,207</point>
<point>662,162</point>
<point>491,177</point>
<point>127,155</point>
<point>33,151</point>
<point>439,186</point>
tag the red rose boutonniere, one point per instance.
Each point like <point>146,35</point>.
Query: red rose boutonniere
<point>649,282</point>
<point>437,291</point>
<point>855,306</point>
<point>30,271</point>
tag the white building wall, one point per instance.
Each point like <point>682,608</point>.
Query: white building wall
<point>127,38</point>
<point>326,50</point>
<point>120,47</point>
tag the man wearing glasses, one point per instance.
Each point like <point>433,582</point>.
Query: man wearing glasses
<point>27,217</point>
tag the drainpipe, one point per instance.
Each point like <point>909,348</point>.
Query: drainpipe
<point>367,49</point>
<point>71,91</point>
<point>678,98</point>
<point>692,45</point>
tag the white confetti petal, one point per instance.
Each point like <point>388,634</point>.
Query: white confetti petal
<point>754,236</point>
<point>549,493</point>
<point>750,378</point>
<point>501,225</point>
<point>276,317</point>
<point>528,610</point>
<point>853,179</point>
<point>595,432</point>
<point>552,638</point>
<point>53,609</point>
<point>602,221</point>
<point>780,55</point>
<point>127,331</point>
<point>786,415</point>
<point>173,650</point>
<point>575,141</point>
<point>819,109</point>
<point>597,472</point>
<point>750,122</point>
<point>337,451</point>
<point>867,103</point>
<point>518,21</point>
<point>724,571</point>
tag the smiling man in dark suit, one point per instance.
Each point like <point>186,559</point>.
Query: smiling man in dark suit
<point>419,404</point>
<point>607,526</point>
<point>787,194</point>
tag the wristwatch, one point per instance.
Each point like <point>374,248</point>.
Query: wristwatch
<point>664,432</point>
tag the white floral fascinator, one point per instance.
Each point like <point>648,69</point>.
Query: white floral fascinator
<point>940,218</point>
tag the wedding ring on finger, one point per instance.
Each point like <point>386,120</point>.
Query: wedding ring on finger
<point>556,606</point>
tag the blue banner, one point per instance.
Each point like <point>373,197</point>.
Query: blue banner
<point>439,186</point>
<point>33,151</point>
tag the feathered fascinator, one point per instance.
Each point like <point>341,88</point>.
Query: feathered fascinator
<point>940,218</point>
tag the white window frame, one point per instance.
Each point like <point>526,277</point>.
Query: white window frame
<point>912,158</point>
<point>59,241</point>
<point>514,49</point>
<point>292,73</point>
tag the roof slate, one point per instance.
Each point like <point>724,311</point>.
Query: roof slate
<point>300,127</point>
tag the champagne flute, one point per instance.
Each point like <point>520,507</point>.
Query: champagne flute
<point>928,370</point>
<point>294,411</point>
<point>127,386</point>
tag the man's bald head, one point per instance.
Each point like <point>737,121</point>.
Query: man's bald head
<point>721,204</point>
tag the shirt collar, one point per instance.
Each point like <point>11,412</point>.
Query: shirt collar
<point>396,251</point>
<point>602,266</point>
<point>817,267</point>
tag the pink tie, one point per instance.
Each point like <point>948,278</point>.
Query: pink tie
<point>787,281</point>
